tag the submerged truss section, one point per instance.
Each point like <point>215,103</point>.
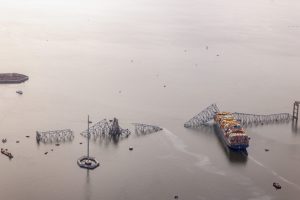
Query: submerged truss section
<point>55,136</point>
<point>143,129</point>
<point>107,129</point>
<point>203,117</point>
<point>249,119</point>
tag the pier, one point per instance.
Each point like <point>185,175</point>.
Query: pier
<point>296,111</point>
<point>12,78</point>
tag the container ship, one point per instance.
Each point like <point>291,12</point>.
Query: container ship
<point>231,131</point>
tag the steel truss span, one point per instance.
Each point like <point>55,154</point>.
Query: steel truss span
<point>203,117</point>
<point>252,119</point>
<point>107,128</point>
<point>143,129</point>
<point>55,136</point>
<point>246,119</point>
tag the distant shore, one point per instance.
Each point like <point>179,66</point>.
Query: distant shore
<point>7,78</point>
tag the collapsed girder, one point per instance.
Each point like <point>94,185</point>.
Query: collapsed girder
<point>55,136</point>
<point>245,119</point>
<point>248,119</point>
<point>107,128</point>
<point>143,129</point>
<point>203,117</point>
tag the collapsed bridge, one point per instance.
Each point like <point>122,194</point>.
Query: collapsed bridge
<point>246,119</point>
<point>55,136</point>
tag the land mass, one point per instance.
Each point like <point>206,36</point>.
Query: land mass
<point>6,78</point>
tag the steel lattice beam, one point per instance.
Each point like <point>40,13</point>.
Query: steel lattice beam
<point>203,117</point>
<point>55,136</point>
<point>143,129</point>
<point>248,119</point>
<point>107,128</point>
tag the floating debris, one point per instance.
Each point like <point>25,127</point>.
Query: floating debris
<point>107,128</point>
<point>8,154</point>
<point>55,136</point>
<point>19,92</point>
<point>4,140</point>
<point>130,148</point>
<point>277,186</point>
<point>143,129</point>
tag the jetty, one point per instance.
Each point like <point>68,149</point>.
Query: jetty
<point>12,78</point>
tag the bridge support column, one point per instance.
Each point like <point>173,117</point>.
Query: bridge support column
<point>296,111</point>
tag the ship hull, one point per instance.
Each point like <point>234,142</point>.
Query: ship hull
<point>237,147</point>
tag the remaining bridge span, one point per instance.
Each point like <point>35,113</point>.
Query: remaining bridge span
<point>203,117</point>
<point>248,119</point>
<point>107,128</point>
<point>143,129</point>
<point>55,136</point>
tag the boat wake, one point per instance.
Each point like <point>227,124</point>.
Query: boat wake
<point>274,173</point>
<point>202,160</point>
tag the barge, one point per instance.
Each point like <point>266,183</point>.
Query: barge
<point>232,132</point>
<point>12,78</point>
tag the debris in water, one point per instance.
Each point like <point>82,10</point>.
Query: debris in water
<point>8,154</point>
<point>19,92</point>
<point>131,148</point>
<point>4,140</point>
<point>276,185</point>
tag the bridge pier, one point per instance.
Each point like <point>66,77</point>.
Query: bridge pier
<point>296,111</point>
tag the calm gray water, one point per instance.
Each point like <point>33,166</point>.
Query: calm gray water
<point>80,54</point>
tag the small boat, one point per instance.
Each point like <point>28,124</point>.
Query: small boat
<point>276,185</point>
<point>19,92</point>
